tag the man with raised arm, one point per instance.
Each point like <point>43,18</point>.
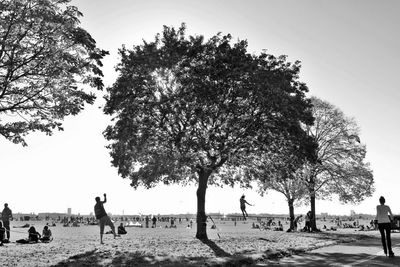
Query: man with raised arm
<point>102,217</point>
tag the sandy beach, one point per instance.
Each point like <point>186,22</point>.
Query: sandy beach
<point>235,245</point>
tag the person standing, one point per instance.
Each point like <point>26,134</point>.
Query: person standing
<point>103,218</point>
<point>307,225</point>
<point>6,216</point>
<point>243,203</point>
<point>384,217</point>
<point>296,222</point>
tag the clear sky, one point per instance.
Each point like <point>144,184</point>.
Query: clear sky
<point>350,57</point>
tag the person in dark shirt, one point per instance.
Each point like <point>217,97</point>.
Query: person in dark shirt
<point>243,203</point>
<point>33,237</point>
<point>2,234</point>
<point>103,218</point>
<point>46,234</point>
<point>6,215</point>
<point>121,229</point>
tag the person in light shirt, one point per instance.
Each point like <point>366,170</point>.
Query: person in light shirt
<point>384,217</point>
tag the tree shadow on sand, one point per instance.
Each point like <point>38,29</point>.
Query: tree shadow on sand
<point>88,258</point>
<point>335,259</point>
<point>219,252</point>
<point>138,258</point>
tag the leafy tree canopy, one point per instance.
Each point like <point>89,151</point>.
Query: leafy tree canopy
<point>341,168</point>
<point>185,106</point>
<point>45,59</point>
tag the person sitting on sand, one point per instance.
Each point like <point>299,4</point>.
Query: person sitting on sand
<point>33,237</point>
<point>243,203</point>
<point>121,229</point>
<point>2,234</point>
<point>27,225</point>
<point>46,234</point>
<point>172,223</point>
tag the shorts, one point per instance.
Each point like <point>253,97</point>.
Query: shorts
<point>105,220</point>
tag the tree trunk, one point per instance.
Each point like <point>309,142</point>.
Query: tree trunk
<point>201,201</point>
<point>291,213</point>
<point>312,203</point>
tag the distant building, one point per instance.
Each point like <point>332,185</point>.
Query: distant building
<point>69,211</point>
<point>52,215</point>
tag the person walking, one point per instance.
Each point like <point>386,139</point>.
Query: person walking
<point>384,217</point>
<point>6,216</point>
<point>103,218</point>
<point>243,203</point>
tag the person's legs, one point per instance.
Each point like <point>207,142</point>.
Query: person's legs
<point>381,228</point>
<point>243,212</point>
<point>110,223</point>
<point>102,224</point>
<point>389,239</point>
<point>7,226</point>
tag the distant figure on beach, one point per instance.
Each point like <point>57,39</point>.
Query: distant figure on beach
<point>121,229</point>
<point>384,217</point>
<point>308,221</point>
<point>154,225</point>
<point>243,203</point>
<point>2,234</point>
<point>296,222</point>
<point>27,225</point>
<point>33,237</point>
<point>103,218</point>
<point>6,216</point>
<point>172,221</point>
<point>46,234</point>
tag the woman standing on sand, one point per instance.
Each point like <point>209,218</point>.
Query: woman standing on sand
<point>382,212</point>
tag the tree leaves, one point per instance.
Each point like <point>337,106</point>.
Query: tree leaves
<point>341,167</point>
<point>184,105</point>
<point>45,61</point>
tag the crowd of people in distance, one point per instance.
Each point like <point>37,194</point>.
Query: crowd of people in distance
<point>383,222</point>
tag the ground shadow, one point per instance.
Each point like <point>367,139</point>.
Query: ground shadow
<point>335,259</point>
<point>89,258</point>
<point>219,252</point>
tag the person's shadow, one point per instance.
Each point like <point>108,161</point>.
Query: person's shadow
<point>219,252</point>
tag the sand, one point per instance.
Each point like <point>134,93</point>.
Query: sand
<point>239,245</point>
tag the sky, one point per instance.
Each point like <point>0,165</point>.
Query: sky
<point>350,58</point>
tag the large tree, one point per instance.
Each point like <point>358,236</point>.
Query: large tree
<point>281,172</point>
<point>190,110</point>
<point>340,168</point>
<point>45,61</point>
